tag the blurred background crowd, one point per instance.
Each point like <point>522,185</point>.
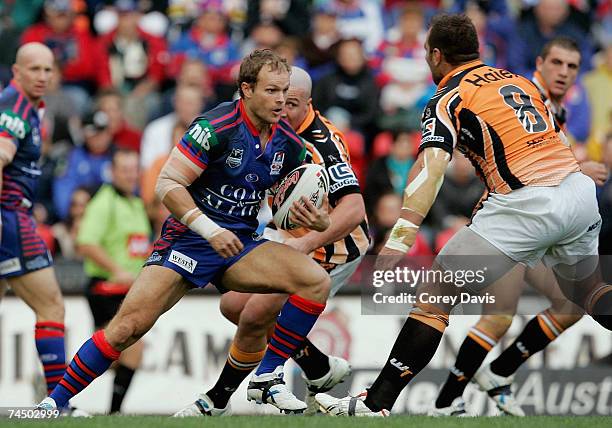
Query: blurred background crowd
<point>133,74</point>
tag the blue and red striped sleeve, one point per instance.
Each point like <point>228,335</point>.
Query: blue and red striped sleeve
<point>13,126</point>
<point>198,141</point>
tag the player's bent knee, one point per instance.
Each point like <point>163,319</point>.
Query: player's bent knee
<point>124,330</point>
<point>230,311</point>
<point>253,319</point>
<point>317,287</point>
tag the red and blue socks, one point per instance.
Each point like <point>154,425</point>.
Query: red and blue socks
<point>49,338</point>
<point>93,358</point>
<point>295,321</point>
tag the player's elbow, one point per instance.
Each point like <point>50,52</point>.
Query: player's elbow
<point>436,161</point>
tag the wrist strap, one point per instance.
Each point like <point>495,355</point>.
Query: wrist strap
<point>402,235</point>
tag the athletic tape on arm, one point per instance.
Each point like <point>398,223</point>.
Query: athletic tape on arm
<point>419,196</point>
<point>178,171</point>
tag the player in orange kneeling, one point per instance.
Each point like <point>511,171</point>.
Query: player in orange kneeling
<point>539,205</point>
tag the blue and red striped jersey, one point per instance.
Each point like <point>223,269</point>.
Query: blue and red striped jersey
<point>237,171</point>
<point>20,122</point>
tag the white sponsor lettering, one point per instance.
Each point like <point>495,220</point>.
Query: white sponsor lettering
<point>182,261</point>
<point>401,367</point>
<point>201,136</point>
<point>10,266</point>
<point>14,124</point>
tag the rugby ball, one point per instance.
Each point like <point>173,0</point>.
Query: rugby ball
<point>307,180</point>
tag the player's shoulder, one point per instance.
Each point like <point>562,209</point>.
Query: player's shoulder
<point>222,116</point>
<point>9,100</point>
<point>214,126</point>
<point>286,131</point>
<point>326,138</point>
<point>13,113</point>
<point>320,129</point>
<point>491,77</point>
<point>451,88</point>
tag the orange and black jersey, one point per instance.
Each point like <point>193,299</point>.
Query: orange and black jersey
<point>499,121</point>
<point>326,146</point>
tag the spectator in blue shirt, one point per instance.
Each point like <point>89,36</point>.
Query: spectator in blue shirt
<point>86,166</point>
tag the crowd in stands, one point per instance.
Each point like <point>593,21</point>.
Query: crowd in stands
<point>133,74</point>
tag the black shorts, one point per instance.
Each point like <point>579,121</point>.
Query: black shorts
<point>103,306</point>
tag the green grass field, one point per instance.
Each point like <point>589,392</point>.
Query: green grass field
<point>318,422</point>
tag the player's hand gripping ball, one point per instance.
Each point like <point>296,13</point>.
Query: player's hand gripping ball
<point>308,180</point>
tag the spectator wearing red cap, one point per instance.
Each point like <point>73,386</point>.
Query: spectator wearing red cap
<point>136,61</point>
<point>82,61</point>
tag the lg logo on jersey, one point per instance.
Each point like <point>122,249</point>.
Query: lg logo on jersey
<point>341,175</point>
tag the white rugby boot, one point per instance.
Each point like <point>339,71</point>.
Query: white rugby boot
<point>499,388</point>
<point>203,406</point>
<point>47,404</point>
<point>270,388</point>
<point>347,406</point>
<point>339,369</point>
<point>50,407</point>
<point>457,408</point>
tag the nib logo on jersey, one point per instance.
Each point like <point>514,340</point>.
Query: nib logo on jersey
<point>14,124</point>
<point>234,200</point>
